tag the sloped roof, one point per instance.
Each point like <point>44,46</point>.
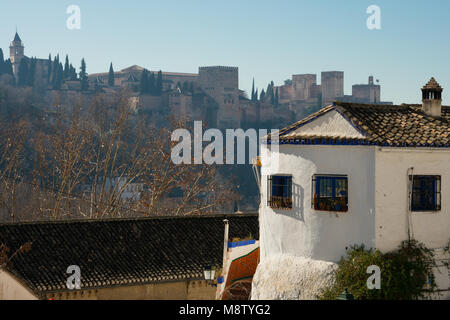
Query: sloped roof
<point>121,251</point>
<point>383,125</point>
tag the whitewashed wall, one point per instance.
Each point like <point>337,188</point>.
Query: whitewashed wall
<point>305,232</point>
<point>12,289</point>
<point>391,197</point>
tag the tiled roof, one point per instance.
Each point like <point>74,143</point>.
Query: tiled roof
<point>382,125</point>
<point>119,252</point>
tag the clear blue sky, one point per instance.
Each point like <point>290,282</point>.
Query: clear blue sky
<point>268,40</point>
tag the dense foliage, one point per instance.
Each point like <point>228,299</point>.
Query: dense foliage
<point>404,273</point>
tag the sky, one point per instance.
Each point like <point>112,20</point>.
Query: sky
<point>267,40</point>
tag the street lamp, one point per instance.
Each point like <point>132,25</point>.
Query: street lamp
<point>345,295</point>
<point>209,274</point>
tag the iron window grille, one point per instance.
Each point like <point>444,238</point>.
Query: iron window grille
<point>330,193</point>
<point>280,192</point>
<point>425,193</point>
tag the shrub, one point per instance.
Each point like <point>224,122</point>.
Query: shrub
<point>404,272</point>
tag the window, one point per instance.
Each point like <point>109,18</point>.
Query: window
<point>280,192</point>
<point>330,193</point>
<point>426,193</point>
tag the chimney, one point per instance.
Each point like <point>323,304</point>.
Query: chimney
<point>432,99</point>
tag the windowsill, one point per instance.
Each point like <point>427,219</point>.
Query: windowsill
<point>426,211</point>
<point>284,209</point>
<point>331,211</point>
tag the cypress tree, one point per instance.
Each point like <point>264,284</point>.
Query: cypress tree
<point>23,73</point>
<point>111,76</point>
<point>276,98</point>
<point>8,68</point>
<point>49,71</point>
<point>159,85</point>
<point>2,62</point>
<point>72,72</point>
<point>144,85</point>
<point>59,77</point>
<point>31,73</point>
<point>253,90</point>
<point>262,95</point>
<point>83,76</point>
<point>66,68</point>
<point>152,84</point>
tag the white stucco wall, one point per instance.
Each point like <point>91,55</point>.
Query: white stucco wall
<point>319,235</point>
<point>391,197</point>
<point>11,289</point>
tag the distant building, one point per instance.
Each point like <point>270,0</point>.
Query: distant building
<point>17,54</point>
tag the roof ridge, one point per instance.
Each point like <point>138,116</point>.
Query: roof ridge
<point>130,219</point>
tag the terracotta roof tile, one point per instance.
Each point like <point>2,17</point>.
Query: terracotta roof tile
<point>393,125</point>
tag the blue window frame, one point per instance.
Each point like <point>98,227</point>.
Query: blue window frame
<point>426,193</point>
<point>330,193</point>
<point>280,191</point>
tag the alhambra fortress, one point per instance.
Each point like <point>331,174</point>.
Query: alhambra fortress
<point>211,95</point>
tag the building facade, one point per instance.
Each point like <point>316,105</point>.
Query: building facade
<point>358,174</point>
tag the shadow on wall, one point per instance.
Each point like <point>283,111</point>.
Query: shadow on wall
<point>297,211</point>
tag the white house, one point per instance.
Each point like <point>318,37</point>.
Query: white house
<point>354,174</point>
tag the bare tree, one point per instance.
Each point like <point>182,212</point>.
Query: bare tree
<point>102,161</point>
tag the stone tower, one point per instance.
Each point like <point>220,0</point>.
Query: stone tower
<point>432,98</point>
<point>16,53</point>
<point>332,86</point>
<point>222,84</point>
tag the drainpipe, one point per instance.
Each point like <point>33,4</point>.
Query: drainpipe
<point>225,243</point>
<point>411,184</point>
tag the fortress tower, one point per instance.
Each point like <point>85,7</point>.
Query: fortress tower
<point>332,86</point>
<point>16,53</point>
<point>222,84</point>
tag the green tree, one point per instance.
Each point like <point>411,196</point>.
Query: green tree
<point>66,68</point>
<point>144,84</point>
<point>31,73</point>
<point>404,273</point>
<point>253,90</point>
<point>59,77</point>
<point>262,95</point>
<point>152,84</point>
<point>73,73</point>
<point>49,70</point>
<point>159,83</point>
<point>8,67</point>
<point>2,62</point>
<point>111,76</point>
<point>83,76</point>
<point>23,73</point>
<point>276,102</point>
